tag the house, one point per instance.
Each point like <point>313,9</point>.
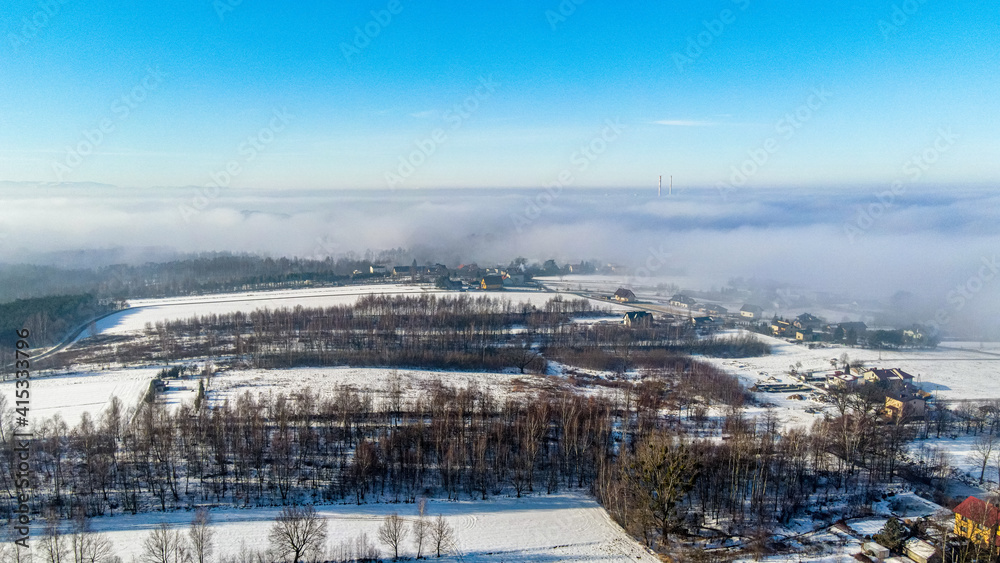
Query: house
<point>807,321</point>
<point>513,280</point>
<point>858,327</point>
<point>977,520</point>
<point>637,318</point>
<point>894,377</point>
<point>920,551</point>
<point>848,331</point>
<point>402,271</point>
<point>780,327</point>
<point>841,380</point>
<point>716,310</point>
<point>876,550</point>
<point>624,295</point>
<point>751,312</point>
<point>491,282</point>
<point>807,335</point>
<point>381,269</point>
<point>682,301</point>
<point>906,402</point>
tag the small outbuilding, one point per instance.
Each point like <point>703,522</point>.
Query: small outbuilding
<point>920,551</point>
<point>876,550</point>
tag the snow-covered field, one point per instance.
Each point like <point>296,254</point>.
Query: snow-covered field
<point>70,395</point>
<point>561,527</point>
<point>948,372</point>
<point>229,384</point>
<point>151,311</point>
<point>959,453</point>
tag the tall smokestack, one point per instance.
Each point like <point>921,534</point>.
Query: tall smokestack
<point>670,190</point>
<point>659,189</point>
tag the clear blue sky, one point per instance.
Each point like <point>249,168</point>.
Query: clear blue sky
<point>557,81</point>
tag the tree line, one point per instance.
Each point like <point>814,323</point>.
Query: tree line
<point>450,332</point>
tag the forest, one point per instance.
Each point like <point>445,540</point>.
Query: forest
<point>50,318</point>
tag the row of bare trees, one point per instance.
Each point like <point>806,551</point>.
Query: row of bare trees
<point>453,332</point>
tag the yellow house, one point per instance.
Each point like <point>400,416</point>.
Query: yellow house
<point>904,403</point>
<point>977,520</point>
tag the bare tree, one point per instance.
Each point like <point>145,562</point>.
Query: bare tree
<point>88,547</point>
<point>164,545</point>
<point>297,531</point>
<point>442,535</point>
<point>982,450</point>
<point>201,534</point>
<point>52,544</point>
<point>421,528</point>
<point>392,532</point>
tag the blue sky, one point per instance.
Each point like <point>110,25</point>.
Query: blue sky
<point>200,78</point>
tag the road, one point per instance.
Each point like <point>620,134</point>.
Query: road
<point>68,341</point>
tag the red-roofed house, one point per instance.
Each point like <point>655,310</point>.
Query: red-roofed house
<point>977,520</point>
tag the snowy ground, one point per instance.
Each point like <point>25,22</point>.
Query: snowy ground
<point>151,311</point>
<point>229,384</point>
<point>958,450</point>
<point>72,394</point>
<point>948,372</point>
<point>562,527</point>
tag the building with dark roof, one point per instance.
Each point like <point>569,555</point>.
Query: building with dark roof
<point>637,318</point>
<point>682,301</point>
<point>491,282</point>
<point>624,295</point>
<point>716,310</point>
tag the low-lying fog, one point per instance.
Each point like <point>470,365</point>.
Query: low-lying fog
<point>939,244</point>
